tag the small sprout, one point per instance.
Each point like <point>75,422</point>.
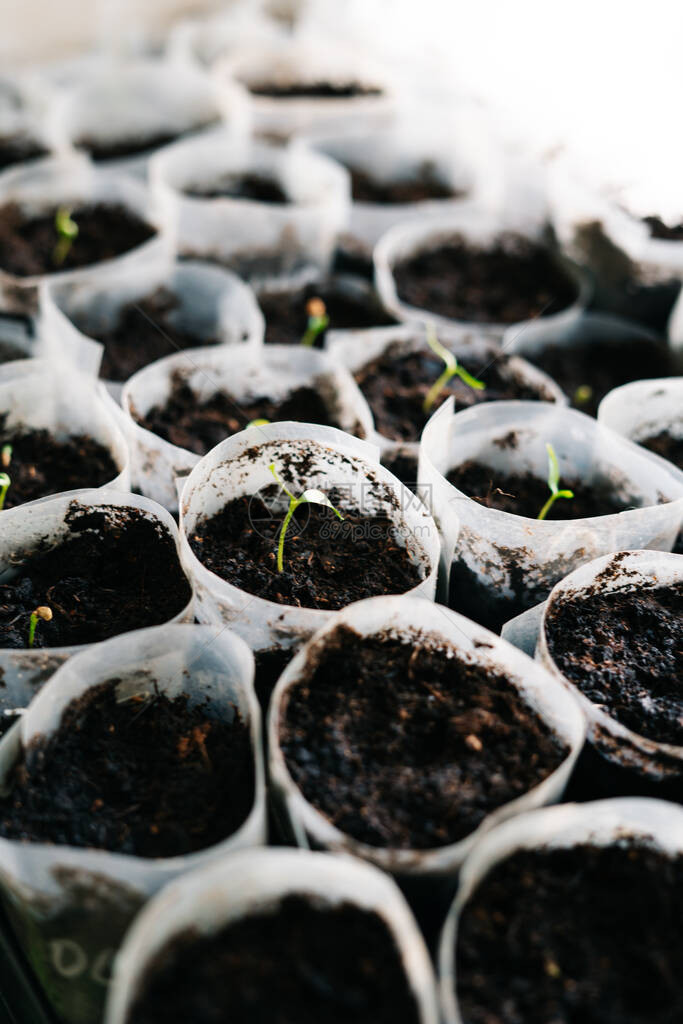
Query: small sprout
<point>318,320</point>
<point>6,456</point>
<point>4,487</point>
<point>313,496</point>
<point>553,483</point>
<point>583,394</point>
<point>257,423</point>
<point>452,369</point>
<point>42,612</point>
<point>67,231</point>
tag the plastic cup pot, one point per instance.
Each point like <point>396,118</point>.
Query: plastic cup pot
<point>253,883</point>
<point>30,120</point>
<point>397,436</point>
<point>589,356</point>
<point>46,524</point>
<point>506,563</point>
<point>306,81</point>
<point>636,274</point>
<point>17,338</point>
<point>173,305</point>
<point>650,827</point>
<point>48,397</point>
<point>70,906</point>
<point>60,189</point>
<point>272,373</point>
<point>410,169</point>
<point>309,457</point>
<point>124,111</point>
<point>556,289</point>
<point>257,208</point>
<point>204,41</point>
<point>623,755</point>
<point>387,832</point>
<point>649,412</point>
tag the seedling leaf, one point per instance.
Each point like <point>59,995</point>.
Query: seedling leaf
<point>312,496</point>
<point>318,320</point>
<point>553,483</point>
<point>452,369</point>
<point>4,487</point>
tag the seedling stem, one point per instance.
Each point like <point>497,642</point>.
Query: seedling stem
<point>553,483</point>
<point>42,612</point>
<point>4,487</point>
<point>452,369</point>
<point>312,496</point>
<point>67,231</point>
<point>318,320</point>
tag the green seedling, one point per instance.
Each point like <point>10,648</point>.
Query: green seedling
<point>42,612</point>
<point>583,394</point>
<point>318,320</point>
<point>4,487</point>
<point>257,423</point>
<point>6,456</point>
<point>313,496</point>
<point>452,369</point>
<point>67,231</point>
<point>553,483</point>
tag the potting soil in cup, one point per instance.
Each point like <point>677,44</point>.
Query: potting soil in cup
<point>404,744</point>
<point>586,933</point>
<point>29,243</point>
<point>303,962</point>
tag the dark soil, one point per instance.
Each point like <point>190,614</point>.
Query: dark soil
<point>27,242</point>
<point>199,425</point>
<point>269,666</point>
<point>303,962</point>
<point>624,650</point>
<point>588,369</point>
<point>41,465</point>
<point>287,318</point>
<point>149,776</point>
<point>401,744</point>
<point>513,280</point>
<point>404,467</point>
<point>522,494</point>
<point>396,385</point>
<point>585,935</point>
<point>136,145</point>
<point>144,332</point>
<point>328,563</point>
<point>424,185</point>
<point>16,149</point>
<point>258,187</point>
<point>117,570</point>
<point>666,232</point>
<point>313,90</point>
<point>667,446</point>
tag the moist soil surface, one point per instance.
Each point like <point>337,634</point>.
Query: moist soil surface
<point>16,149</point>
<point>328,563</point>
<point>522,494</point>
<point>41,465</point>
<point>666,232</point>
<point>115,571</point>
<point>313,90</point>
<point>268,667</point>
<point>513,280</point>
<point>404,745</point>
<point>396,385</point>
<point>303,962</point>
<point>143,332</point>
<point>352,307</point>
<point>584,935</point>
<point>199,425</point>
<point>624,650</point>
<point>667,446</point>
<point>587,370</point>
<point>424,185</point>
<point>258,187</point>
<point>150,776</point>
<point>403,466</point>
<point>28,242</point>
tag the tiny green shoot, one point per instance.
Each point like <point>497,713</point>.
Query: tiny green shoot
<point>67,231</point>
<point>583,394</point>
<point>452,369</point>
<point>257,423</point>
<point>553,483</point>
<point>4,487</point>
<point>318,320</point>
<point>6,456</point>
<point>312,496</point>
<point>42,612</point>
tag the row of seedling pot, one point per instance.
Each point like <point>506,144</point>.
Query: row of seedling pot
<point>410,773</point>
